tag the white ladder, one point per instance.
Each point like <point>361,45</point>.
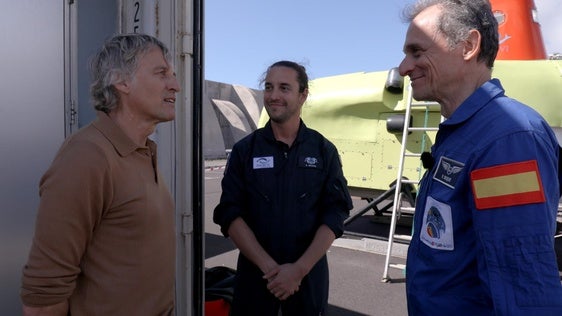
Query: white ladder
<point>397,207</point>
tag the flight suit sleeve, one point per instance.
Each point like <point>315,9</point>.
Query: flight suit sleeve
<point>336,200</point>
<point>517,264</point>
<point>560,169</point>
<point>232,197</point>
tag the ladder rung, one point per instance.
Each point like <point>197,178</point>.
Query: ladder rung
<point>397,266</point>
<point>412,155</point>
<point>423,129</point>
<point>409,181</point>
<point>403,237</point>
<point>407,208</point>
<point>424,104</point>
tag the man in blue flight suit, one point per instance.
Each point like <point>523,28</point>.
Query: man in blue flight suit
<point>284,199</point>
<point>485,218</point>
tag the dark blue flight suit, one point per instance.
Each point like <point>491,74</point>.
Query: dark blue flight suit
<point>284,194</point>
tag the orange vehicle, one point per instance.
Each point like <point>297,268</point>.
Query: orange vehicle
<point>519,30</point>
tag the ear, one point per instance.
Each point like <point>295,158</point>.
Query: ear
<point>303,96</point>
<point>471,47</point>
<point>122,86</point>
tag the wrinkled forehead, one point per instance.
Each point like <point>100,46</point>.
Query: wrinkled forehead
<point>156,57</point>
<point>423,29</point>
<point>427,19</point>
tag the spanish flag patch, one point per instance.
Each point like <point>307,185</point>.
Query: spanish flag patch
<point>507,185</point>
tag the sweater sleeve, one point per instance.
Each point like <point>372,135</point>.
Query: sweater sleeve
<point>72,194</point>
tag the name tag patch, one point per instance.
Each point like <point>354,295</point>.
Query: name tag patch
<point>310,162</point>
<point>448,171</point>
<point>437,226</point>
<point>263,162</point>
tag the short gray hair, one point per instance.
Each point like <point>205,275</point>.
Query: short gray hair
<point>117,60</point>
<point>458,18</point>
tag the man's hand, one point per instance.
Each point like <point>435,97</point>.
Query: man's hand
<point>284,281</point>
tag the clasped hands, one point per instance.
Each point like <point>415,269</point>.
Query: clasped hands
<point>284,280</point>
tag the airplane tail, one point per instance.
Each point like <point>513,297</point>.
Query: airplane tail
<point>519,30</point>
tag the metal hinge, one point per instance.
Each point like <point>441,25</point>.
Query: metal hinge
<point>187,224</point>
<point>186,44</point>
<point>73,113</point>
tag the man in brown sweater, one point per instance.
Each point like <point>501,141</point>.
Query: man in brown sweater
<point>104,240</point>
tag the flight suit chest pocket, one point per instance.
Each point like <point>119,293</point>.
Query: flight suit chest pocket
<point>310,162</point>
<point>310,170</point>
<point>262,182</point>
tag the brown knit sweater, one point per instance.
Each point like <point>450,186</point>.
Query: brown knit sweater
<point>104,237</point>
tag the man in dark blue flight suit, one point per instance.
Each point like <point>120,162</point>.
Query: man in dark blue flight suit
<point>485,213</point>
<point>284,200</point>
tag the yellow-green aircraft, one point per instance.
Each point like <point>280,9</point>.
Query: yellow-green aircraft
<point>363,113</point>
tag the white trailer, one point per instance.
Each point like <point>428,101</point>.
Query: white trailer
<point>44,98</point>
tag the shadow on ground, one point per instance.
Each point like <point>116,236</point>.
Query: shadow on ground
<point>370,226</point>
<point>338,311</point>
<point>217,245</point>
<point>377,226</point>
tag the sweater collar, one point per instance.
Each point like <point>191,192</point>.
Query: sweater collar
<point>115,135</point>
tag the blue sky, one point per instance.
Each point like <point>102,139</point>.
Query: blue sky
<point>330,37</point>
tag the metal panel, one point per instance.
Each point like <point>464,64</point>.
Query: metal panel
<point>48,44</point>
<point>32,125</point>
<point>96,21</point>
<point>172,23</point>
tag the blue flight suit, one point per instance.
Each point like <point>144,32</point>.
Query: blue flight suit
<point>284,194</point>
<point>486,214</point>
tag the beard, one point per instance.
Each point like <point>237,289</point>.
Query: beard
<point>279,114</point>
